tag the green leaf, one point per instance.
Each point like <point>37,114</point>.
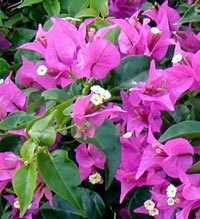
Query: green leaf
<point>24,183</point>
<point>98,5</point>
<point>195,168</point>
<point>4,67</point>
<point>76,6</point>
<point>131,70</point>
<point>92,203</point>
<point>42,131</point>
<point>28,150</point>
<point>22,35</point>
<point>55,94</point>
<point>29,3</point>
<point>52,7</point>
<point>86,12</point>
<point>191,15</point>
<point>188,129</point>
<point>16,120</point>
<point>61,175</point>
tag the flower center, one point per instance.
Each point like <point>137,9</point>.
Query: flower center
<point>42,70</point>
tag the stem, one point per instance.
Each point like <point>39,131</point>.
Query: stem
<point>66,128</point>
<point>87,86</point>
<point>115,215</point>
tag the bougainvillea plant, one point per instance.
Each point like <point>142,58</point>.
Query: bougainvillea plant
<point>99,109</point>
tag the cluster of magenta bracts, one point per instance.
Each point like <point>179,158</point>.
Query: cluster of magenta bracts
<point>71,53</point>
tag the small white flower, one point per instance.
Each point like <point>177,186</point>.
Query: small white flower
<point>177,58</point>
<point>42,70</point>
<point>149,204</point>
<point>104,94</point>
<point>96,89</point>
<point>154,212</point>
<point>96,99</point>
<point>170,201</point>
<point>1,81</point>
<point>127,135</point>
<point>71,19</point>
<point>16,204</point>
<point>95,178</point>
<point>155,30</point>
<point>171,191</point>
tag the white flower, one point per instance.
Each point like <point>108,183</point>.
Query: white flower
<point>154,212</point>
<point>96,99</point>
<point>1,81</point>
<point>177,58</point>
<point>95,178</point>
<point>16,204</point>
<point>127,135</point>
<point>149,204</point>
<point>155,30</point>
<point>104,94</point>
<point>42,70</point>
<point>171,191</point>
<point>170,201</point>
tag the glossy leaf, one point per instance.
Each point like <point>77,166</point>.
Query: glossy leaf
<point>24,183</point>
<point>42,131</point>
<point>131,70</point>
<point>188,129</point>
<point>58,166</point>
<point>16,120</point>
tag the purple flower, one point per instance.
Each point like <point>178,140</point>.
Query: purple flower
<point>9,163</point>
<point>88,116</point>
<point>124,8</point>
<point>96,59</point>
<point>4,44</point>
<point>89,158</point>
<point>11,97</point>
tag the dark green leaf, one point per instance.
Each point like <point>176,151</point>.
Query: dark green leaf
<point>24,183</point>
<point>92,203</point>
<point>138,199</point>
<point>58,166</point>
<point>131,70</point>
<point>188,129</point>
